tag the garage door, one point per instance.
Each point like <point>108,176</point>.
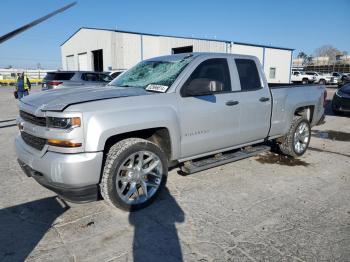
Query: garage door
<point>70,62</point>
<point>82,62</point>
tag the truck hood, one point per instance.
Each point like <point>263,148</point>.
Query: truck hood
<point>59,99</point>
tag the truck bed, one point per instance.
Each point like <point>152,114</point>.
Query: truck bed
<point>287,98</point>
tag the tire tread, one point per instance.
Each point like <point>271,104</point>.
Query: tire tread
<point>286,145</point>
<point>113,154</point>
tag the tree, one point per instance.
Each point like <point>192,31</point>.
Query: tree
<point>328,51</point>
<point>302,55</point>
<point>306,58</point>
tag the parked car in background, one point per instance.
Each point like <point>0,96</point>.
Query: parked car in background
<point>341,76</point>
<point>322,79</point>
<point>341,100</point>
<point>183,109</point>
<point>63,79</point>
<point>302,77</point>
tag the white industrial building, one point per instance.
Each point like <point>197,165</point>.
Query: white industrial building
<point>105,50</point>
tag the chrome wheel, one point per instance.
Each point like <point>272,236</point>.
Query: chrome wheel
<point>301,138</point>
<point>139,177</point>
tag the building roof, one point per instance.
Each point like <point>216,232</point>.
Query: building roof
<point>195,38</point>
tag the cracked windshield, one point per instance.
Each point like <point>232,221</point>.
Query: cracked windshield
<point>146,73</point>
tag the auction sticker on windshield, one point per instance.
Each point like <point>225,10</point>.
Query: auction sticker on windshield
<point>157,88</point>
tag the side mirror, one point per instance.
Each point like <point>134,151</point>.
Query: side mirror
<point>202,87</point>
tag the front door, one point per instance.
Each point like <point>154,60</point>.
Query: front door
<point>209,111</point>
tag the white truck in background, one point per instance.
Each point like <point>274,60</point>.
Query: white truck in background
<point>302,77</point>
<point>322,78</point>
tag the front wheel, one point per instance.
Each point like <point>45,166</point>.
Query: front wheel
<point>135,172</point>
<point>297,140</point>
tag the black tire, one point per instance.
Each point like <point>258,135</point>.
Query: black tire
<point>337,113</point>
<point>322,82</point>
<point>286,143</point>
<point>305,81</point>
<point>117,154</point>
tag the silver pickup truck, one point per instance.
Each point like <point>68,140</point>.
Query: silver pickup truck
<point>194,111</point>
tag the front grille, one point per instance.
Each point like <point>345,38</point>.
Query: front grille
<point>35,120</point>
<point>33,141</point>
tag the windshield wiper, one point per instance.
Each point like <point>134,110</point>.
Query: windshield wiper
<point>124,86</point>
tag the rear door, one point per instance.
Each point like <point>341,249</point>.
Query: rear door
<point>255,101</point>
<point>209,122</point>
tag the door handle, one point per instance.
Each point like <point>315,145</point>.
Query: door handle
<point>264,99</point>
<point>232,103</point>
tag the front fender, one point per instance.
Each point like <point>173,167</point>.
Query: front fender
<point>100,127</point>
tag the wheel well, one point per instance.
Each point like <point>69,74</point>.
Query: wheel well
<point>159,136</point>
<point>306,111</point>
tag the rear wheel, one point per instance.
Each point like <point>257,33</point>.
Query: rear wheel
<point>305,81</point>
<point>322,82</point>
<point>297,140</point>
<point>134,173</point>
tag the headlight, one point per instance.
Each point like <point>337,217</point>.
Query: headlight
<point>63,122</point>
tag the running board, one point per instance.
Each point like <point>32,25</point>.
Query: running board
<point>194,166</point>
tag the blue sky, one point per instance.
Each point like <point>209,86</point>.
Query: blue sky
<point>300,24</point>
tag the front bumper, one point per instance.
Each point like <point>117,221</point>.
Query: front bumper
<point>74,177</point>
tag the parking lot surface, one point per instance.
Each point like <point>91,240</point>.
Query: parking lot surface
<point>265,208</point>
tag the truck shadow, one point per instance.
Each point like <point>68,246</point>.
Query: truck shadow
<point>23,226</point>
<point>155,237</point>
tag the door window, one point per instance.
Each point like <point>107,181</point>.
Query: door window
<point>90,77</point>
<point>248,74</point>
<point>105,78</point>
<point>210,77</point>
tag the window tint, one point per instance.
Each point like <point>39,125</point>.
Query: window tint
<point>115,74</point>
<point>59,76</point>
<point>105,78</point>
<point>213,72</point>
<point>272,72</point>
<point>90,77</point>
<point>248,74</point>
